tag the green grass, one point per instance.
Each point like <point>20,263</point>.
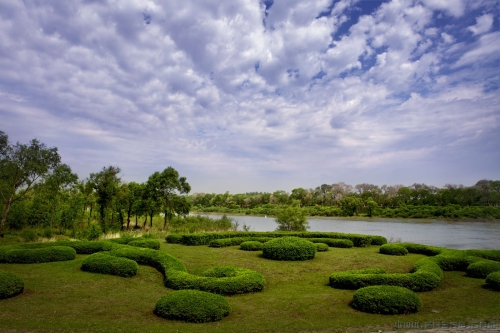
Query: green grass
<point>59,297</point>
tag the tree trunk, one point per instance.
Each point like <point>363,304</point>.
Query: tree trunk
<point>145,221</point>
<point>4,217</point>
<point>151,219</point>
<point>165,219</point>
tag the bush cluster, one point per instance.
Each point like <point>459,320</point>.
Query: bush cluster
<point>331,242</point>
<point>192,306</point>
<point>379,240</point>
<point>10,284</point>
<point>483,268</point>
<point>145,243</point>
<point>321,247</point>
<point>289,248</point>
<point>251,246</point>
<point>37,255</point>
<point>421,249</point>
<point>393,250</point>
<point>174,239</point>
<point>87,247</point>
<point>104,263</point>
<point>386,300</point>
<point>493,281</point>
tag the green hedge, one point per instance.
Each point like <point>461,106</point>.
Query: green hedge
<point>174,239</point>
<point>342,243</point>
<point>493,281</point>
<point>393,250</point>
<point>87,247</point>
<point>192,306</point>
<point>421,249</point>
<point>251,246</point>
<point>321,247</point>
<point>386,300</point>
<point>10,284</point>
<point>105,263</point>
<point>37,255</point>
<point>486,254</point>
<point>146,243</point>
<point>483,268</point>
<point>289,248</point>
<point>379,240</point>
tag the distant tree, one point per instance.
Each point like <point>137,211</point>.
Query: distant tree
<point>21,167</point>
<point>350,205</point>
<point>292,218</point>
<point>370,205</point>
<point>106,184</point>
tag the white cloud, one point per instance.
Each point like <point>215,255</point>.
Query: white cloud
<point>483,24</point>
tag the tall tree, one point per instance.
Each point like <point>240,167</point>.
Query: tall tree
<point>21,167</point>
<point>165,186</point>
<point>106,184</point>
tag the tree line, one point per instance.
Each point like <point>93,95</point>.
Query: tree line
<point>37,190</point>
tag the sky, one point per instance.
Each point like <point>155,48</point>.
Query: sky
<point>249,95</point>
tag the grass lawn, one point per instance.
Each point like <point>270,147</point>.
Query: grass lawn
<point>59,297</point>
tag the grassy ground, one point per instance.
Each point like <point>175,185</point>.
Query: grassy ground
<point>59,297</point>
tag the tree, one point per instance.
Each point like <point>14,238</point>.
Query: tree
<point>164,186</point>
<point>292,218</point>
<point>350,205</point>
<point>21,167</point>
<point>106,184</point>
<point>370,205</point>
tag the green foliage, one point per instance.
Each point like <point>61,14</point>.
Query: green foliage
<point>289,248</point>
<point>483,268</point>
<point>192,306</point>
<point>386,300</point>
<point>421,249</point>
<point>493,281</point>
<point>331,242</point>
<point>486,254</point>
<point>251,246</point>
<point>291,219</point>
<point>86,247</point>
<point>350,205</point>
<point>145,242</point>
<point>174,238</point>
<point>379,240</point>
<point>393,250</point>
<point>93,232</point>
<point>321,247</point>
<point>10,284</point>
<point>104,263</point>
<point>40,255</point>
<point>29,235</point>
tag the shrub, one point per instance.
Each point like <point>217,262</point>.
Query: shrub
<point>393,250</point>
<point>10,284</point>
<point>379,240</point>
<point>29,235</point>
<point>289,248</point>
<point>87,247</point>
<point>386,300</point>
<point>40,255</point>
<point>421,249</point>
<point>321,247</point>
<point>483,268</point>
<point>192,306</point>
<point>486,254</point>
<point>251,246</point>
<point>493,281</point>
<point>174,239</point>
<point>105,263</point>
<point>331,242</point>
<point>146,243</point>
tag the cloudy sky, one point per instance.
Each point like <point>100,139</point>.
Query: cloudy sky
<point>248,95</point>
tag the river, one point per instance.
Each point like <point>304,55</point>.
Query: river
<point>449,234</point>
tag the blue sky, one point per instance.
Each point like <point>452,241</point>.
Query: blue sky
<point>258,96</point>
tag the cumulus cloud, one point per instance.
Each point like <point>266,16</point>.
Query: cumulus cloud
<point>483,24</point>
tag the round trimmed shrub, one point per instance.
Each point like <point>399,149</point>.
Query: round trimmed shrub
<point>393,250</point>
<point>105,263</point>
<point>148,243</point>
<point>321,247</point>
<point>289,248</point>
<point>40,255</point>
<point>493,281</point>
<point>10,284</point>
<point>251,246</point>
<point>483,268</point>
<point>378,240</point>
<point>192,306</point>
<point>386,300</point>
<point>333,242</point>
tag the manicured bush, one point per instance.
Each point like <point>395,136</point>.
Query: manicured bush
<point>331,242</point>
<point>379,240</point>
<point>483,268</point>
<point>40,255</point>
<point>174,239</point>
<point>145,243</point>
<point>421,249</point>
<point>486,254</point>
<point>493,281</point>
<point>321,247</point>
<point>454,260</point>
<point>87,247</point>
<point>224,242</point>
<point>10,284</point>
<point>192,306</point>
<point>251,246</point>
<point>289,248</point>
<point>393,250</point>
<point>104,263</point>
<point>386,300</point>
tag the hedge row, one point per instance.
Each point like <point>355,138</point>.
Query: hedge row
<point>393,250</point>
<point>10,284</point>
<point>493,281</point>
<point>192,306</point>
<point>386,300</point>
<point>482,268</point>
<point>206,238</point>
<point>251,246</point>
<point>342,243</point>
<point>37,255</point>
<point>321,247</point>
<point>104,263</point>
<point>289,248</point>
